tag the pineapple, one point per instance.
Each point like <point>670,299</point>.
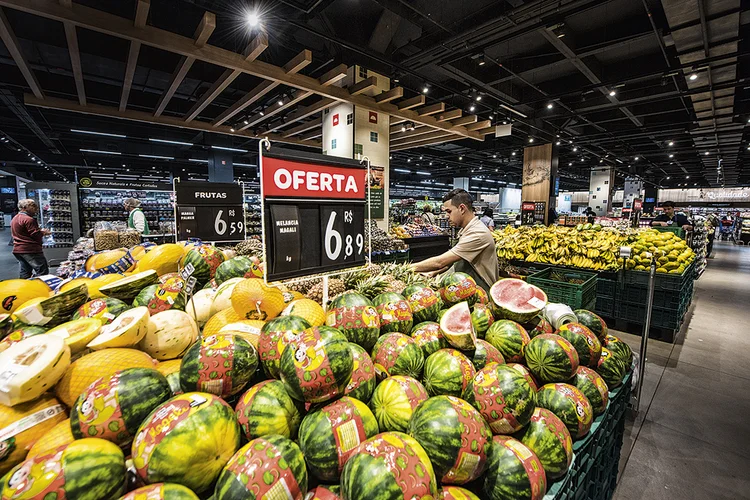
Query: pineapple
<point>373,286</point>
<point>396,286</point>
<point>335,287</point>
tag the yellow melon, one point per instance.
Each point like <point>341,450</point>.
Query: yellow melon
<point>253,299</point>
<point>220,320</point>
<point>13,293</point>
<point>101,260</point>
<point>249,329</point>
<point>307,309</point>
<point>58,436</point>
<point>99,282</point>
<point>170,366</point>
<point>163,259</point>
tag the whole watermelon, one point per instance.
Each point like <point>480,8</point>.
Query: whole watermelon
<point>391,464</point>
<point>584,341</point>
<point>455,436</point>
<point>551,358</point>
<point>620,349</point>
<point>105,309</point>
<point>503,397</point>
<point>186,440</point>
<point>328,492</point>
<point>266,409</point>
<point>275,335</point>
<point>482,297</point>
<point>509,338</point>
<point>484,354</point>
<point>394,312</point>
<point>593,322</point>
<point>570,405</point>
<point>457,287</point>
<point>423,301</point>
<point>447,372</point>
<point>538,325</point>
<point>593,386</point>
<point>220,364</point>
<point>397,354</point>
<point>205,259</point>
<point>161,491</point>
<point>524,371</point>
<point>237,267</point>
<point>363,380</point>
<point>611,368</point>
<point>318,366</point>
<point>456,493</point>
<point>356,317</point>
<point>266,467</point>
<point>394,401</point>
<point>514,472</point>
<point>547,436</point>
<point>113,407</point>
<point>329,436</point>
<point>481,318</point>
<point>162,297</point>
<point>429,337</point>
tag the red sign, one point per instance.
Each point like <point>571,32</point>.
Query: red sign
<point>335,119</point>
<point>373,117</point>
<point>637,204</point>
<point>528,206</point>
<point>295,179</point>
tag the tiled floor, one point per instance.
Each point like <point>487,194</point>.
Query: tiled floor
<point>690,439</point>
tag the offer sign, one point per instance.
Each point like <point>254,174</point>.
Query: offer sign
<point>210,211</point>
<point>314,212</point>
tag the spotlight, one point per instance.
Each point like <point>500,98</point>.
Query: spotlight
<point>479,98</point>
<point>231,130</point>
<point>668,177</point>
<point>280,102</point>
<point>612,93</point>
<point>693,77</point>
<point>403,128</point>
<point>671,156</point>
<point>252,19</point>
<point>531,139</point>
<point>472,108</point>
<point>425,89</point>
<point>671,143</point>
<point>557,143</point>
<point>549,106</point>
<point>460,158</point>
<point>637,158</point>
<point>575,149</point>
<point>513,153</point>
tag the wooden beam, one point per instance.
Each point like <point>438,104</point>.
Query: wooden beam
<point>11,43</point>
<point>465,120</point>
<point>412,102</point>
<point>335,75</point>
<point>479,125</point>
<point>302,127</point>
<point>141,15</point>
<point>390,95</point>
<point>486,131</point>
<point>146,117</point>
<point>312,135</point>
<point>302,113</point>
<point>363,86</point>
<point>296,64</point>
<point>411,133</point>
<point>397,128</point>
<point>75,61</point>
<point>449,115</point>
<point>427,142</point>
<point>431,109</point>
<point>252,51</point>
<point>202,33</point>
<point>432,134</point>
<point>276,108</point>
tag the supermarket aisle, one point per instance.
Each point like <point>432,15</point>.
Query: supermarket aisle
<point>691,441</point>
<point>8,263</point>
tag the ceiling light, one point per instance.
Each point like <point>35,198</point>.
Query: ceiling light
<point>419,172</point>
<point>408,160</point>
<point>97,151</point>
<point>198,160</point>
<point>601,161</point>
<point>252,19</point>
<point>421,157</point>
<point>570,164</point>
<point>531,139</point>
<point>513,153</point>
<point>687,177</point>
<point>425,89</point>
<point>668,177</point>
<point>430,163</point>
<point>472,108</point>
<point>494,156</point>
<point>671,143</point>
<point>693,76</point>
<point>575,149</point>
<point>229,149</point>
<point>157,157</point>
<point>671,156</point>
<point>231,129</point>
<point>549,106</point>
<point>402,170</point>
<point>280,102</point>
<point>557,143</point>
<point>612,93</point>
<point>479,98</point>
<point>246,122</point>
<point>706,153</point>
<point>403,128</point>
<point>636,158</point>
<point>180,143</point>
<point>245,164</point>
<point>96,133</point>
<point>491,117</point>
<point>460,158</point>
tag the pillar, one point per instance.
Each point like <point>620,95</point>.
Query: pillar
<point>540,176</point>
<point>601,189</point>
<point>220,163</point>
<point>461,183</point>
<point>633,188</point>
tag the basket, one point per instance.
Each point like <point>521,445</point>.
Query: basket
<point>670,319</point>
<point>606,287</point>
<point>662,281</point>
<point>605,306</point>
<point>574,288</point>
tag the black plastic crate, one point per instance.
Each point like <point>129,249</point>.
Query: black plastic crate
<point>663,281</point>
<point>605,306</point>
<point>670,319</point>
<point>664,299</point>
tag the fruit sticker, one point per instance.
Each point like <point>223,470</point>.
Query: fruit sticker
<point>457,292</point>
<point>467,369</point>
<point>39,477</point>
<point>415,392</point>
<point>409,465</point>
<point>471,458</point>
<point>313,368</point>
<point>422,299</point>
<point>491,402</point>
<point>569,350</point>
<point>530,462</point>
<point>362,371</point>
<point>264,473</point>
<point>353,317</point>
<point>99,413</point>
<point>347,427</point>
<point>394,312</point>
<point>216,358</point>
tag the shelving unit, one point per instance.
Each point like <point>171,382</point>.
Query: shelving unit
<point>107,205</point>
<point>58,212</point>
<point>744,227</point>
<point>253,225</point>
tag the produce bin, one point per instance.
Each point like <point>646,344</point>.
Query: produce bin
<point>574,288</point>
<point>391,256</point>
<point>607,286</point>
<point>678,231</point>
<point>605,306</point>
<point>671,319</point>
<point>663,281</point>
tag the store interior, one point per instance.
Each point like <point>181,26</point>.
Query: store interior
<point>569,122</point>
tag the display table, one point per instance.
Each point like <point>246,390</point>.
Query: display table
<point>425,247</point>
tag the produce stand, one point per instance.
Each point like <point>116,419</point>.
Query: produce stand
<point>428,246</point>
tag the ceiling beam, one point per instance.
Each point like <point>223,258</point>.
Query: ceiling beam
<point>432,109</point>
<point>276,108</point>
<point>141,14</point>
<point>202,33</point>
<point>11,43</point>
<point>449,115</point>
<point>464,120</point>
<point>302,127</point>
<point>363,86</point>
<point>426,142</point>
<point>411,133</point>
<point>333,76</point>
<point>312,135</point>
<point>302,113</point>
<point>479,125</point>
<point>432,134</point>
<point>410,103</point>
<point>75,55</point>
<point>390,95</point>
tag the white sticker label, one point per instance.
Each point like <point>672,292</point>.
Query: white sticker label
<point>537,302</point>
<point>240,327</point>
<point>170,301</point>
<point>187,271</point>
<point>30,421</point>
<point>109,316</point>
<point>33,315</point>
<point>62,333</point>
<point>8,374</point>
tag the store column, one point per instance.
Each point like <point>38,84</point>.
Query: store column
<point>220,167</point>
<point>600,189</point>
<point>540,179</point>
<point>633,189</point>
<point>354,132</point>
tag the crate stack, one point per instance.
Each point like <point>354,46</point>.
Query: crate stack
<point>607,286</point>
<point>575,288</point>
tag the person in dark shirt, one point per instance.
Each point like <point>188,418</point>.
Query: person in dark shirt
<point>27,240</point>
<point>590,215</point>
<point>670,218</point>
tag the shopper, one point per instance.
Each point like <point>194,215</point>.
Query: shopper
<point>670,218</point>
<point>487,219</point>
<point>427,216</point>
<point>474,254</point>
<point>136,217</point>
<point>551,216</point>
<point>713,223</point>
<point>589,212</point>
<point>27,240</point>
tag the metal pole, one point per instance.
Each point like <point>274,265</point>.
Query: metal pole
<point>646,328</point>
<point>263,142</point>
<point>325,293</point>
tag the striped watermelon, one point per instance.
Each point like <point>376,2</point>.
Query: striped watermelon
<point>447,372</point>
<point>356,317</point>
<point>538,325</point>
<point>237,267</point>
<point>186,440</point>
<point>584,341</point>
<point>482,297</point>
<point>318,366</point>
<point>484,354</point>
<point>328,492</point>
<point>329,436</point>
<point>593,386</point>
<point>456,493</point>
<point>273,339</point>
<point>503,397</point>
<point>220,364</point>
<point>363,380</point>
<point>481,318</point>
<point>394,312</point>
<point>549,439</point>
<point>423,301</point>
<point>162,297</point>
<point>205,259</point>
<point>534,383</point>
<point>105,310</point>
<point>517,300</point>
<point>611,368</point>
<point>265,409</point>
<point>551,358</point>
<point>514,472</point>
<point>394,401</point>
<point>620,349</point>
<point>281,462</point>
<point>569,404</point>
<point>397,354</point>
<point>113,407</point>
<point>429,337</point>
<point>593,322</point>
<point>161,491</point>
<point>508,337</point>
<point>389,466</point>
<point>458,287</point>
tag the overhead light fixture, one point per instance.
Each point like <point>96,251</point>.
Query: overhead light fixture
<point>494,156</point>
<point>421,157</point>
<point>687,177</point>
<point>197,160</point>
<point>280,102</point>
<point>223,148</point>
<point>671,143</point>
<point>78,131</point>
<point>472,108</point>
<point>693,76</point>
<point>246,122</point>
<point>402,170</point>
<point>513,153</point>
<point>706,153</point>
<point>231,129</point>
<point>570,164</point>
<point>575,149</point>
<point>671,156</point>
<point>612,93</point>
<point>408,160</point>
<point>636,158</point>
<point>668,177</point>
<point>430,163</point>
<point>531,139</point>
<point>557,143</point>
<point>403,128</point>
<point>425,89</point>
<point>460,158</point>
<point>549,106</point>
<point>157,157</point>
<point>179,143</point>
<point>252,19</point>
<point>98,151</point>
<point>245,164</point>
<point>420,172</point>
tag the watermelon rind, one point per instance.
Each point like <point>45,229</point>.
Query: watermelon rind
<point>593,322</point>
<point>267,409</point>
<point>127,288</point>
<point>508,291</point>
<point>510,338</point>
<point>513,472</point>
<point>593,386</point>
<point>364,379</point>
<point>584,341</point>
<point>429,337</point>
<point>397,354</point>
<point>549,439</point>
<point>395,400</point>
<point>423,301</point>
<point>570,405</point>
<point>447,372</point>
<point>551,358</point>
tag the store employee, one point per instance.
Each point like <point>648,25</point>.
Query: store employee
<point>136,217</point>
<point>669,218</point>
<point>474,254</point>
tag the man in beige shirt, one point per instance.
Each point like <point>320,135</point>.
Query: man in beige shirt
<point>474,254</point>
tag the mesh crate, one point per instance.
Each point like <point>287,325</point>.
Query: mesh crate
<point>577,289</point>
<point>663,299</point>
<point>606,287</point>
<point>670,319</point>
<point>605,306</point>
<point>662,281</point>
<point>391,256</point>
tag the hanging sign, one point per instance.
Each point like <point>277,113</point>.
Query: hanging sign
<point>210,211</point>
<point>314,210</point>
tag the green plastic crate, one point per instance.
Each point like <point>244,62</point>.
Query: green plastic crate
<point>671,229</point>
<point>556,283</point>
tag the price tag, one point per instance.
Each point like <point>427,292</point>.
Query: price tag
<point>190,284</point>
<point>343,232</point>
<point>187,271</point>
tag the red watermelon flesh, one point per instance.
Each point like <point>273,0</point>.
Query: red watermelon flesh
<point>457,327</point>
<point>517,300</point>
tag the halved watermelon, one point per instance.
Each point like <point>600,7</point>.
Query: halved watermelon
<point>517,300</point>
<point>457,327</point>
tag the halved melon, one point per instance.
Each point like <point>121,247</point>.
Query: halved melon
<point>31,367</point>
<point>126,330</point>
<point>127,288</point>
<point>457,327</point>
<point>517,300</point>
<point>77,333</point>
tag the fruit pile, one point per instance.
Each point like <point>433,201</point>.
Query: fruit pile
<point>417,229</point>
<point>125,390</point>
<point>382,241</point>
<point>672,254</point>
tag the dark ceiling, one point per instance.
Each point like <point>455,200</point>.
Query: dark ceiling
<point>607,80</point>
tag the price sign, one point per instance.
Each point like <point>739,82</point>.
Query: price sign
<point>210,211</point>
<point>343,234</point>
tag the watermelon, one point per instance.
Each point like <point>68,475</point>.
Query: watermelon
<point>265,468</point>
<point>593,386</point>
<point>162,297</point>
<point>593,322</point>
<point>570,405</point>
<point>524,371</point>
<point>328,436</point>
<point>484,354</point>
<point>429,337</point>
<point>362,382</point>
<point>55,309</point>
<point>620,349</point>
<point>457,327</point>
<point>237,267</point>
<point>503,397</point>
<point>113,407</point>
<point>318,366</point>
<point>19,334</point>
<point>551,358</point>
<point>265,409</point>
<point>584,341</point>
<point>549,439</point>
<point>440,314</point>
<point>517,300</point>
<point>481,318</point>
<point>611,368</point>
<point>273,339</point>
<point>220,364</point>
<point>161,491</point>
<point>389,466</point>
<point>397,354</point>
<point>105,310</point>
<point>458,287</point>
<point>356,317</point>
<point>456,493</point>
<point>447,372</point>
<point>514,472</point>
<point>186,440</point>
<point>394,312</point>
<point>538,325</point>
<point>205,259</point>
<point>455,436</point>
<point>482,297</point>
<point>423,301</point>
<point>394,401</point>
<point>509,338</point>
<point>328,492</point>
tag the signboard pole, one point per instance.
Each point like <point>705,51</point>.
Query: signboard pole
<point>366,159</point>
<point>263,142</point>
<point>174,206</point>
<point>325,293</point>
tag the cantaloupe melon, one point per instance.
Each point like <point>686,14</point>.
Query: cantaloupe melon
<point>31,367</point>
<point>57,436</point>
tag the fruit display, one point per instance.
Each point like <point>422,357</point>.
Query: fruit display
<point>417,229</point>
<point>382,241</point>
<point>671,252</point>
